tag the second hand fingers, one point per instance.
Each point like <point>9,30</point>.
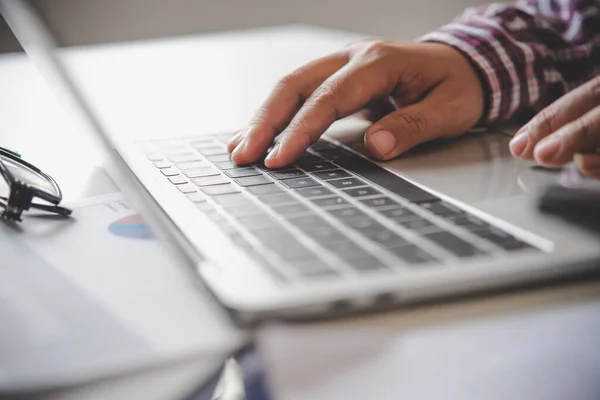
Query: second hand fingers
<point>579,136</point>
<point>279,108</point>
<point>588,164</point>
<point>564,110</point>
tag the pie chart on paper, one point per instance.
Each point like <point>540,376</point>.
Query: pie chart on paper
<point>131,227</point>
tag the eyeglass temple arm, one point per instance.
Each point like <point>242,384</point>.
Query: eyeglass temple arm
<point>45,207</point>
<point>53,209</point>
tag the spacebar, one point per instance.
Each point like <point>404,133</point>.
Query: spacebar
<point>386,179</point>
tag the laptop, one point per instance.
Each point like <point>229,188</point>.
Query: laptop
<point>335,232</point>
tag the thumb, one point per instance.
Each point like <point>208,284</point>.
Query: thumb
<point>440,114</point>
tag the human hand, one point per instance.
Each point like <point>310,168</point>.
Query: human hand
<point>436,89</point>
<point>567,130</point>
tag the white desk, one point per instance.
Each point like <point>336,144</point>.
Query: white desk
<point>204,83</point>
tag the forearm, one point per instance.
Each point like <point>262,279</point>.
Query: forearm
<point>529,53</point>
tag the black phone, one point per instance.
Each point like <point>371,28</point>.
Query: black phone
<point>580,205</point>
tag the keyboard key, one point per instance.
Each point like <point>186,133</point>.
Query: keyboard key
<point>386,238</point>
<point>292,251</point>
<point>442,208</point>
<point>362,192</point>
<point>226,165</point>
<point>365,224</point>
<point>309,222</point>
<point>346,250</point>
<point>267,235</point>
<point>182,158</point>
<point>218,158</point>
<point>323,235</point>
<point>339,155</point>
<point>210,180</point>
<point>328,202</point>
<point>348,214</point>
<point>381,202</point>
<point>242,172</point>
<point>265,190</point>
<point>317,166</point>
<point>502,239</point>
<point>412,254</point>
<point>187,188</point>
<point>202,141</point>
<point>309,158</point>
<point>170,171</point>
<point>287,174</point>
<point>334,174</point>
<point>320,145</point>
<point>232,200</point>
<point>196,197</point>
<point>174,150</point>
<point>256,223</point>
<point>470,222</point>
<point>227,228</point>
<point>154,157</point>
<point>419,225</point>
<point>263,167</point>
<point>315,191</point>
<point>313,268</point>
<point>453,244</point>
<point>218,190</point>
<point>252,181</point>
<point>201,172</point>
<point>278,199</point>
<point>191,165</point>
<point>300,183</point>
<point>399,213</point>
<point>178,180</point>
<point>367,263</point>
<point>245,210</point>
<point>162,164</point>
<point>384,178</point>
<point>211,151</point>
<point>215,216</point>
<point>206,207</point>
<point>292,210</point>
<point>346,183</point>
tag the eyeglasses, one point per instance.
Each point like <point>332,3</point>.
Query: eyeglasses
<point>26,182</point>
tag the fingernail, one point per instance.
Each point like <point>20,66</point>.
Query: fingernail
<point>518,143</point>
<point>236,136</point>
<point>547,149</point>
<point>273,153</point>
<point>239,148</point>
<point>383,141</point>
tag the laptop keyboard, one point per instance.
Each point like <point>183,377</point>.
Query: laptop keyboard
<point>333,214</point>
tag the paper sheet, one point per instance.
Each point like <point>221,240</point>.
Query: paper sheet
<point>94,295</point>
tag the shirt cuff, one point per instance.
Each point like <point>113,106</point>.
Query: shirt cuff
<point>479,47</point>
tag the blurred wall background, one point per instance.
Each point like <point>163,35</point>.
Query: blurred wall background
<point>79,22</point>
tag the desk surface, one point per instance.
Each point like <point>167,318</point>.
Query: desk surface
<point>236,72</point>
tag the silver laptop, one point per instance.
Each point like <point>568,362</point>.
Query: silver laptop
<point>335,232</point>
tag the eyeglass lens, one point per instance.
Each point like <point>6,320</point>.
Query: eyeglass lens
<point>25,174</point>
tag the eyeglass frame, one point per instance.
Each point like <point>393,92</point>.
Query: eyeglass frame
<point>21,194</point>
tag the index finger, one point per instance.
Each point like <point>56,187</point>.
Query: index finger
<point>342,94</point>
<point>280,107</point>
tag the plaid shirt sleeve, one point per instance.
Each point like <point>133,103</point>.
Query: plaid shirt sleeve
<point>527,54</point>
